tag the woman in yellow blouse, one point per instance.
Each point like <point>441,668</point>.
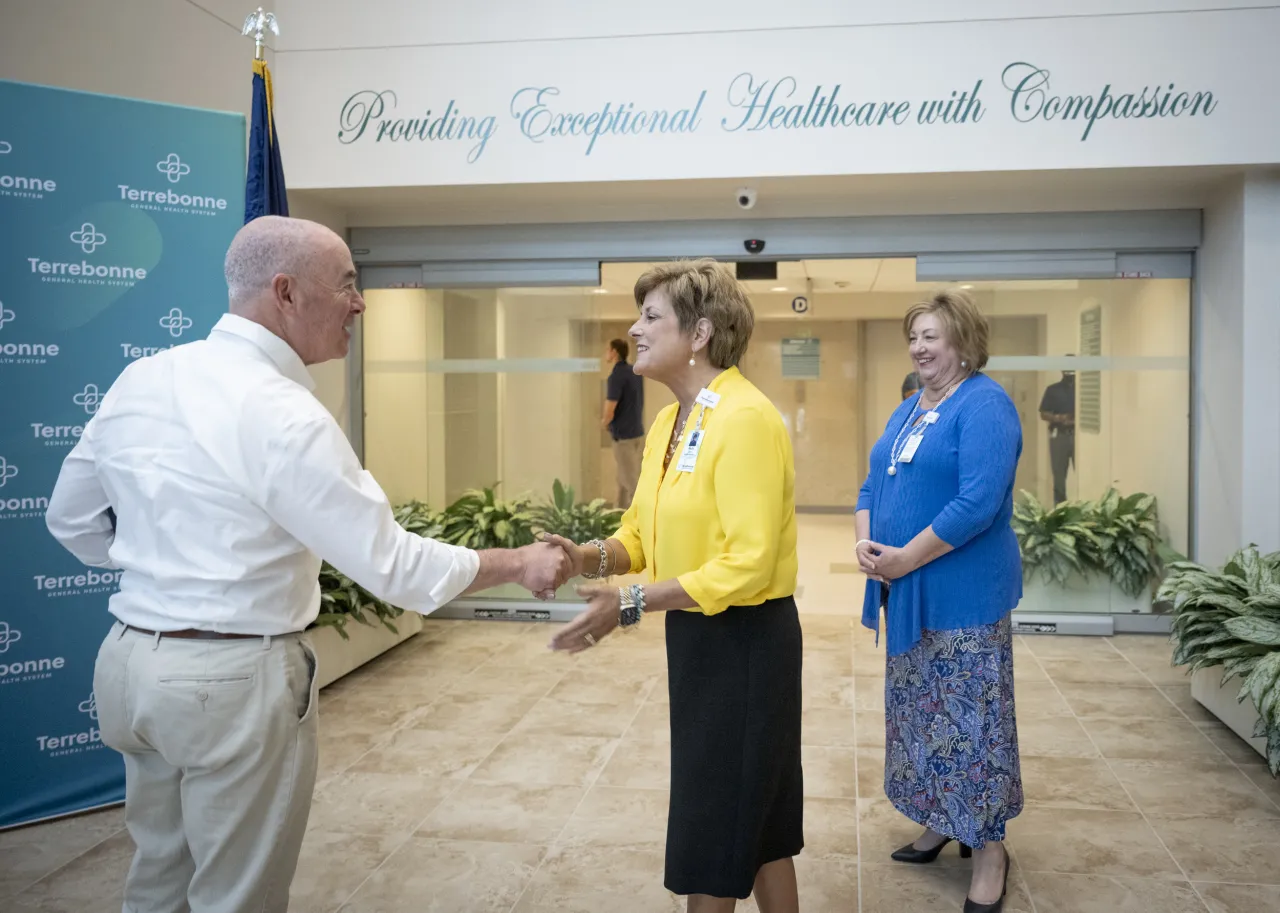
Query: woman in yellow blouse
<point>713,521</point>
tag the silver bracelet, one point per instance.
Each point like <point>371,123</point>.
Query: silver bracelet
<point>604,558</point>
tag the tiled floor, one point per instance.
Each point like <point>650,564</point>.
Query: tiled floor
<point>471,770</point>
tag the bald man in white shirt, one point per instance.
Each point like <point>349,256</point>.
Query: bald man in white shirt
<point>217,482</point>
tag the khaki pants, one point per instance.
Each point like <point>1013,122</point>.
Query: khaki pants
<point>219,745</point>
<point>628,454</point>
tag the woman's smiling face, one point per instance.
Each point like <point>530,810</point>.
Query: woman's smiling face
<point>661,347</point>
<point>931,353</point>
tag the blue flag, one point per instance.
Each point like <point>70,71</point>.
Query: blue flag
<point>264,192</point>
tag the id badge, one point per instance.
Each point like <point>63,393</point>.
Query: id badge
<point>689,456</point>
<point>707,399</point>
<point>909,449</point>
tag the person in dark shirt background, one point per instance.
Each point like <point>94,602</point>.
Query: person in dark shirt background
<point>624,417</point>
<point>1058,409</point>
<point>910,385</point>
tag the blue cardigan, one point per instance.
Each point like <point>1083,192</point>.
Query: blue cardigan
<point>960,481</point>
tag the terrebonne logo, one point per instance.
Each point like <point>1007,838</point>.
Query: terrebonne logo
<point>88,239</point>
<point>19,351</point>
<point>23,185</point>
<point>167,199</point>
<point>56,746</point>
<point>87,583</point>
<point>174,322</point>
<point>14,506</point>
<point>14,671</point>
<point>88,399</point>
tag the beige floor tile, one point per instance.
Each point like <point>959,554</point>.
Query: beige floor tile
<point>1212,789</point>
<point>922,889</point>
<point>605,689</point>
<point>870,763</point>
<point>1089,842</point>
<point>503,813</point>
<point>1138,739</point>
<point>333,865</point>
<point>600,880</point>
<point>1029,670</point>
<point>652,723</point>
<point>868,694</point>
<point>617,817</point>
<point>1234,747</point>
<point>1081,648</point>
<point>836,691</point>
<point>639,764</point>
<point>91,883</point>
<point>440,876</point>
<point>830,827</point>
<point>1240,898</point>
<point>1241,850</point>
<point>1073,783</point>
<point>377,803</point>
<point>829,772</point>
<point>1042,698</point>
<point>1053,737</point>
<point>1119,702</point>
<point>1182,699</point>
<point>553,760</point>
<point>30,853</point>
<point>871,733</point>
<point>474,714</point>
<point>1260,774</point>
<point>431,753</point>
<point>552,716</point>
<point>827,883</point>
<point>883,829</point>
<point>1110,894</point>
<point>828,663</point>
<point>1094,671</point>
<point>363,712</point>
<point>826,726</point>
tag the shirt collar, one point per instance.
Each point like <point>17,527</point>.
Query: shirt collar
<point>727,377</point>
<point>271,345</point>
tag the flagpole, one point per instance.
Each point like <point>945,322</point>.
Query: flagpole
<point>256,25</point>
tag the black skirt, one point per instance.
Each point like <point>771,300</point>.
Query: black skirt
<point>737,788</point>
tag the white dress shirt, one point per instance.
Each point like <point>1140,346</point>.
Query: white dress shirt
<point>229,481</point>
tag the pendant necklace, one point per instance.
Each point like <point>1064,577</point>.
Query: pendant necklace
<point>895,451</point>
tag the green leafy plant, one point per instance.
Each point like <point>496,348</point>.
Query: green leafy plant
<point>342,599</point>
<point>1115,536</point>
<point>417,517</point>
<point>1231,618</point>
<point>580,521</point>
<point>1055,542</point>
<point>480,519</point>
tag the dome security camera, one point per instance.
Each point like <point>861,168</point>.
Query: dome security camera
<point>745,197</point>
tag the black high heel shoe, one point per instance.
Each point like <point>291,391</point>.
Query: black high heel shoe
<point>909,853</point>
<point>971,906</point>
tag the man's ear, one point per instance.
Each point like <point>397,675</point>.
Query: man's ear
<point>285,292</point>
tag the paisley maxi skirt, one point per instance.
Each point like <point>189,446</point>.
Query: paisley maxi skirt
<point>951,740</point>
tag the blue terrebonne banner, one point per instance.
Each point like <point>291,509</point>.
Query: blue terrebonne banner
<point>114,218</point>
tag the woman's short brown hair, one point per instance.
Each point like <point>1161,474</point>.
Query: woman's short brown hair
<point>705,288</point>
<point>962,323</point>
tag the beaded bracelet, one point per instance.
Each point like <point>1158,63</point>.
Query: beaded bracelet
<point>631,606</point>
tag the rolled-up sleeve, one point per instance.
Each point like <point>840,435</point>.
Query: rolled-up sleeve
<point>750,474</point>
<point>990,440</point>
<point>79,515</point>
<point>315,488</point>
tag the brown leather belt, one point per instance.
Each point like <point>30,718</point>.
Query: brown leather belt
<point>192,634</point>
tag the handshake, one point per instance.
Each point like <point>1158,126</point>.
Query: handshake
<point>547,565</point>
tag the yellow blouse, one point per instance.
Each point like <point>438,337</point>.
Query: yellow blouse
<point>727,530</point>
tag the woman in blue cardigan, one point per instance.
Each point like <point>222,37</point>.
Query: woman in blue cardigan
<point>942,561</point>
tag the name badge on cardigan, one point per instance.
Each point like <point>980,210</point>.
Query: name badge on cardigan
<point>689,456</point>
<point>909,448</point>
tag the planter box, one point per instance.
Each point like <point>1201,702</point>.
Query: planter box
<point>1093,594</point>
<point>510,591</point>
<point>1239,717</point>
<point>336,657</point>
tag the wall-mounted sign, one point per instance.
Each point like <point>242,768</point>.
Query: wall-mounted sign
<point>801,359</point>
<point>800,304</point>
<point>1190,89</point>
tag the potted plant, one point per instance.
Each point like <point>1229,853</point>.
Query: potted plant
<point>580,521</point>
<point>1231,619</point>
<point>340,647</point>
<point>1106,553</point>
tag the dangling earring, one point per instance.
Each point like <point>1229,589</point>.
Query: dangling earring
<point>964,364</point>
<point>692,362</point>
